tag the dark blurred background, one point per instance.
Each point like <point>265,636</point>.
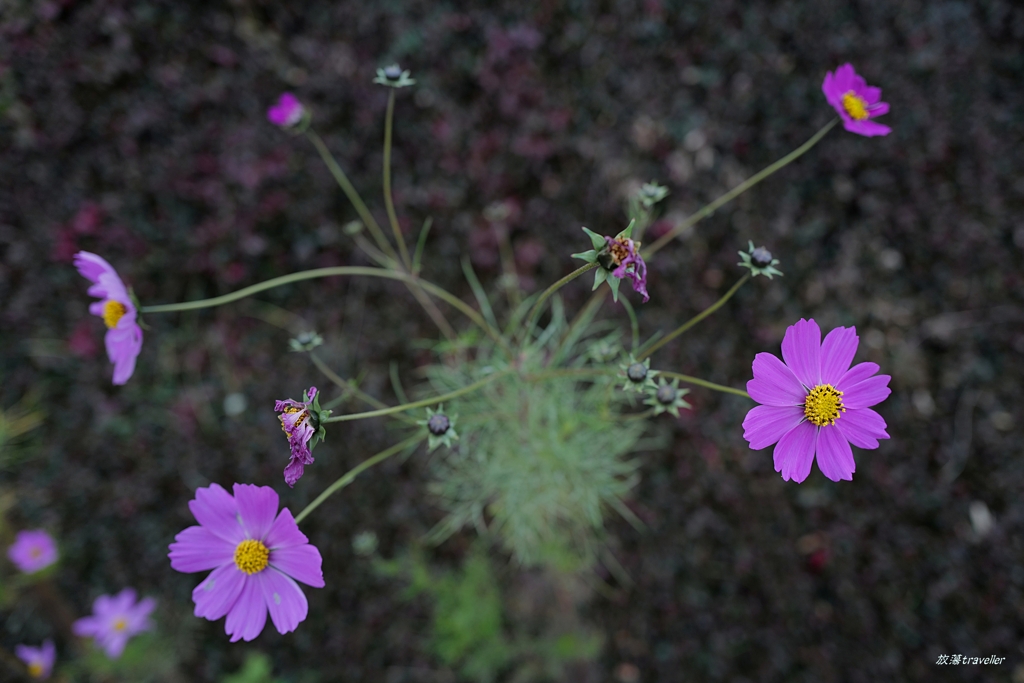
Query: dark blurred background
<point>137,130</point>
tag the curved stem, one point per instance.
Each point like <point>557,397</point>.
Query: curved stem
<point>420,404</point>
<point>738,190</point>
<point>353,196</point>
<point>350,476</point>
<point>695,319</point>
<point>703,383</point>
<point>350,387</point>
<point>388,202</point>
<point>531,319</point>
<point>331,272</point>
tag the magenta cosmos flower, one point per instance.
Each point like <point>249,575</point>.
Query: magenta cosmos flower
<point>856,101</point>
<point>32,551</point>
<point>287,112</point>
<point>815,403</point>
<point>256,555</point>
<point>300,421</point>
<point>39,660</point>
<point>124,336</point>
<point>115,619</point>
<point>625,256</point>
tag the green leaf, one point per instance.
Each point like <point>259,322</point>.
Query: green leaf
<point>595,239</point>
<point>628,232</point>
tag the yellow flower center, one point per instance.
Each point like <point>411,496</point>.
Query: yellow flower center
<point>112,312</point>
<point>292,410</point>
<point>823,405</point>
<point>36,552</point>
<point>121,624</point>
<point>855,106</point>
<point>251,556</point>
<point>35,670</point>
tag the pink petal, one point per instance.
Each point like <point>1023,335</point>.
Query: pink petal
<point>217,593</point>
<point>123,347</point>
<point>774,384</point>
<point>871,391</point>
<point>115,289</point>
<point>837,353</point>
<point>801,349</point>
<point>294,470</point>
<point>858,373</point>
<point>863,427</point>
<point>257,508</point>
<point>248,615</point>
<point>831,92</point>
<point>879,109</point>
<point>795,452</point>
<point>138,616</point>
<point>113,643</point>
<point>216,510</point>
<point>301,562</point>
<point>835,458</point>
<point>197,549</point>
<point>91,266</point>
<point>96,308</point>
<point>285,600</point>
<point>86,627</point>
<point>284,532</point>
<point>867,128</point>
<point>764,425</point>
<point>871,94</point>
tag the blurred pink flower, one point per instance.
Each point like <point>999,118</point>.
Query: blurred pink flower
<point>115,619</point>
<point>39,660</point>
<point>855,101</point>
<point>124,336</point>
<point>287,112</point>
<point>32,551</point>
<point>297,419</point>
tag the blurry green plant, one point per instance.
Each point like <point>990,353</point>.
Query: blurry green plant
<point>16,423</point>
<point>257,669</point>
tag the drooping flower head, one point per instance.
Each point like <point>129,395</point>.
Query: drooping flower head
<point>124,336</point>
<point>301,423</point>
<point>39,660</point>
<point>619,257</point>
<point>32,551</point>
<point>287,112</point>
<point>814,403</point>
<point>256,555</point>
<point>855,101</point>
<point>115,620</point>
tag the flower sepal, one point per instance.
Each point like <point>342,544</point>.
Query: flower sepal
<point>667,398</point>
<point>440,428</point>
<point>317,417</point>
<point>638,375</point>
<point>759,261</point>
<point>394,77</point>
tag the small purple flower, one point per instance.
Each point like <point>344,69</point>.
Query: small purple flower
<point>287,112</point>
<point>32,551</point>
<point>624,254</point>
<point>256,555</point>
<point>855,101</point>
<point>115,619</point>
<point>124,336</point>
<point>39,660</point>
<point>297,418</point>
<point>815,403</point>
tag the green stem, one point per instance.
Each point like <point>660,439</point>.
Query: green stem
<point>738,190</point>
<point>431,288</point>
<point>695,319</point>
<point>703,383</point>
<point>350,476</point>
<point>537,307</point>
<point>353,196</point>
<point>420,404</point>
<point>388,201</point>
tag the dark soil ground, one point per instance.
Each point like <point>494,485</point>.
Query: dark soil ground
<point>137,130</point>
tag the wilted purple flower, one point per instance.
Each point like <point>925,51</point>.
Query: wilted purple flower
<point>856,101</point>
<point>115,619</point>
<point>32,551</point>
<point>625,255</point>
<point>815,403</point>
<point>287,112</point>
<point>39,660</point>
<point>124,336</point>
<point>297,422</point>
<point>256,555</point>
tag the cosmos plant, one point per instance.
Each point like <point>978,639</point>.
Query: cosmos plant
<point>550,405</point>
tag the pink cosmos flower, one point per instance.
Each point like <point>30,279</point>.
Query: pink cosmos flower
<point>856,101</point>
<point>815,403</point>
<point>32,551</point>
<point>115,619</point>
<point>39,660</point>
<point>124,336</point>
<point>297,418</point>
<point>625,253</point>
<point>256,555</point>
<point>287,112</point>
